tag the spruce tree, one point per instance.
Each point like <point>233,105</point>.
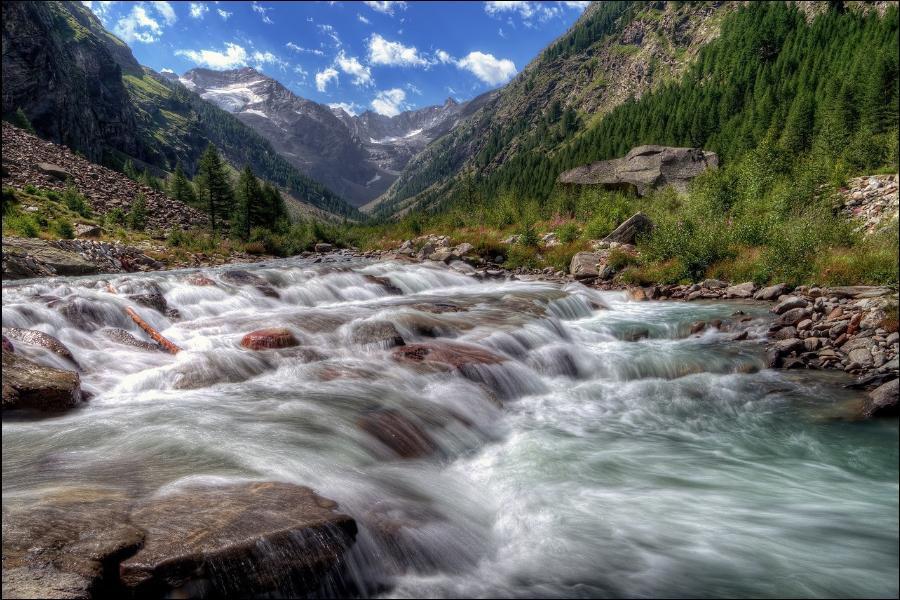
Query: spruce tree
<point>215,187</point>
<point>180,188</point>
<point>275,209</point>
<point>249,209</point>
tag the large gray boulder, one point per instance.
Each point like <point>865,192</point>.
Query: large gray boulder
<point>29,385</point>
<point>27,257</point>
<point>584,265</point>
<point>645,168</point>
<point>882,401</point>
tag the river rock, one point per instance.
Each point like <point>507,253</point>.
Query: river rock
<point>7,345</point>
<point>443,255</point>
<point>452,354</point>
<point>271,338</point>
<point>882,401</point>
<point>323,247</point>
<point>241,277</point>
<point>861,356</point>
<point>39,338</point>
<point>463,249</point>
<point>260,539</point>
<point>791,317</point>
<point>397,432</point>
<point>742,290</point>
<point>713,284</point>
<point>64,545</point>
<point>584,265</point>
<point>770,293</point>
<point>380,333</point>
<point>645,168</point>
<point>123,337</point>
<point>789,303</point>
<point>18,253</point>
<point>860,291</point>
<point>784,333</point>
<point>200,280</point>
<point>29,385</point>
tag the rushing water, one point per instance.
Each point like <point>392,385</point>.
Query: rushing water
<point>585,464</point>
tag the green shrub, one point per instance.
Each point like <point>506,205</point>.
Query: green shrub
<point>76,202</point>
<point>10,200</point>
<point>136,218</point>
<point>21,224</point>
<point>29,189</point>
<point>567,232</point>
<point>115,217</point>
<point>528,235</point>
<point>62,228</point>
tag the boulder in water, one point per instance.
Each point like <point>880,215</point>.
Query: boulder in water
<point>266,339</point>
<point>241,277</point>
<point>381,333</point>
<point>742,290</point>
<point>28,385</point>
<point>445,353</point>
<point>123,337</point>
<point>200,280</point>
<point>7,345</point>
<point>248,539</point>
<point>770,293</point>
<point>400,434</point>
<point>39,338</point>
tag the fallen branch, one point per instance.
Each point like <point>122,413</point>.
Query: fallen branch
<point>157,336</point>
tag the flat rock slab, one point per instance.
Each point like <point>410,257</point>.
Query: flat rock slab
<point>860,291</point>
<point>237,540</point>
<point>28,385</point>
<point>62,262</point>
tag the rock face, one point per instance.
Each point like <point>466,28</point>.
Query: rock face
<point>237,540</point>
<point>872,202</point>
<point>627,232</point>
<point>28,385</point>
<point>32,257</point>
<point>645,168</point>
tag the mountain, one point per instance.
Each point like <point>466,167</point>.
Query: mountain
<point>80,86</point>
<point>357,156</point>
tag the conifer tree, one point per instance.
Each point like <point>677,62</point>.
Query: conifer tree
<point>214,188</point>
<point>180,188</point>
<point>248,210</point>
<point>20,120</point>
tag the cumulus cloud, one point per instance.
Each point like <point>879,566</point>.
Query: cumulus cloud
<point>166,70</point>
<point>198,9</point>
<point>138,26</point>
<point>351,108</point>
<point>362,19</point>
<point>385,52</point>
<point>487,67</point>
<point>387,8</point>
<point>528,11</point>
<point>351,66</point>
<point>324,77</point>
<point>443,57</point>
<point>390,102</point>
<point>231,57</point>
<point>264,58</point>
<point>224,14</point>
<point>261,11</point>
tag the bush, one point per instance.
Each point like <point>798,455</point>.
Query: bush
<point>9,200</point>
<point>567,232</point>
<point>115,217</point>
<point>528,235</point>
<point>23,225</point>
<point>136,218</point>
<point>29,189</point>
<point>62,228</point>
<point>76,202</point>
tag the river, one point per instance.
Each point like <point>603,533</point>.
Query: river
<point>588,463</point>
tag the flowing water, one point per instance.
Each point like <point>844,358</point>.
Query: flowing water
<point>585,464</point>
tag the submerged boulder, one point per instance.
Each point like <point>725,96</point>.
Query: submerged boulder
<point>882,401</point>
<point>378,333</point>
<point>240,277</point>
<point>397,432</point>
<point>261,539</point>
<point>454,355</point>
<point>28,385</point>
<point>39,338</point>
<point>645,168</point>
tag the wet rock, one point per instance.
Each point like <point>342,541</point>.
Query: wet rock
<point>240,277</point>
<point>697,326</point>
<point>260,539</point>
<point>742,290</point>
<point>322,247</point>
<point>28,385</point>
<point>400,434</point>
<point>81,313</point>
<point>635,334</point>
<point>882,401</point>
<point>438,307</point>
<point>154,300</point>
<point>784,333</point>
<point>584,265</point>
<point>123,337</point>
<point>454,354</point>
<point>200,280</point>
<point>385,283</point>
<point>637,294</point>
<point>266,339</point>
<point>39,338</point>
<point>381,333</point>
<point>741,336</point>
<point>66,545</point>
<point>7,345</point>
<point>789,303</point>
<point>789,345</point>
<point>770,293</point>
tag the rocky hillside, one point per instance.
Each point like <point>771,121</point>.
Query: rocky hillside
<point>28,159</point>
<point>615,51</point>
<point>79,85</point>
<point>357,156</point>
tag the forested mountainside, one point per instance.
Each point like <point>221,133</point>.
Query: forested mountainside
<point>356,156</point>
<point>718,75</point>
<point>80,85</point>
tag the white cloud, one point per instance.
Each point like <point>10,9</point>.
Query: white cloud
<point>351,66</point>
<point>386,7</point>
<point>166,11</point>
<point>384,52</point>
<point>487,67</point>
<point>324,77</point>
<point>263,58</point>
<point>443,57</point>
<point>525,9</point>
<point>362,19</point>
<point>232,57</point>
<point>296,48</point>
<point>166,70</point>
<point>101,9</point>
<point>414,89</point>
<point>577,4</point>
<point>138,26</point>
<point>198,9</point>
<point>351,108</point>
<point>224,14</point>
<point>262,10</point>
<point>330,32</point>
<point>390,102</point>
<point>529,11</point>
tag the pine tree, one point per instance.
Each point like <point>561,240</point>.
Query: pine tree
<point>180,188</point>
<point>214,187</point>
<point>275,209</point>
<point>20,120</point>
<point>129,170</point>
<point>249,210</point>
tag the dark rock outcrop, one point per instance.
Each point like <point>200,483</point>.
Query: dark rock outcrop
<point>645,168</point>
<point>376,333</point>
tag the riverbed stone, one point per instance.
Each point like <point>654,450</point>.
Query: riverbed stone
<point>584,265</point>
<point>379,333</point>
<point>401,435</point>
<point>742,290</point>
<point>451,354</point>
<point>39,338</point>
<point>28,385</point>
<point>770,293</point>
<point>882,401</point>
<point>789,303</point>
<point>241,277</point>
<point>271,338</point>
<point>261,539</point>
<point>123,337</point>
<point>791,317</point>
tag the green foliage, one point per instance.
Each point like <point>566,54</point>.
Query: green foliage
<point>136,218</point>
<point>115,217</point>
<point>129,170</point>
<point>21,224</point>
<point>567,232</point>
<point>75,201</point>
<point>20,120</point>
<point>214,188</point>
<point>62,228</point>
<point>528,235</point>
<point>9,200</point>
<point>180,188</point>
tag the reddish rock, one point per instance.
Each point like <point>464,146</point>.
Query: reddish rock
<point>264,339</point>
<point>445,353</point>
<point>396,431</point>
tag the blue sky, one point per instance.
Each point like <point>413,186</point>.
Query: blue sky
<point>382,56</point>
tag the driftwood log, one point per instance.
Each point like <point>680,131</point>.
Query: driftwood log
<point>157,336</point>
